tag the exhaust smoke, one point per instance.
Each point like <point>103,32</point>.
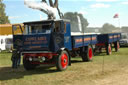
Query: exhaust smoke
<point>42,6</point>
<point>79,23</point>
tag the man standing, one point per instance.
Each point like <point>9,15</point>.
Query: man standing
<point>15,58</point>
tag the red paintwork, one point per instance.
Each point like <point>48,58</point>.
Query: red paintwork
<point>64,60</point>
<point>48,55</point>
<point>100,44</point>
<point>109,48</point>
<point>118,45</point>
<point>90,53</point>
<point>42,63</point>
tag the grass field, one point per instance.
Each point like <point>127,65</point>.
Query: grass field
<point>114,71</point>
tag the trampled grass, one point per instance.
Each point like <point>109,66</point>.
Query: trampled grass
<point>112,71</point>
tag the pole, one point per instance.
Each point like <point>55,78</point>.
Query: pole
<point>119,24</point>
<point>103,66</point>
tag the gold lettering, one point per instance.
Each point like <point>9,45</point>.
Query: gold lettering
<point>41,38</point>
<point>31,39</point>
<point>27,43</point>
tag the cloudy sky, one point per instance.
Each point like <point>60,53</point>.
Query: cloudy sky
<point>97,12</point>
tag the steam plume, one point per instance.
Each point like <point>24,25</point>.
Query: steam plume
<point>79,23</point>
<point>42,6</point>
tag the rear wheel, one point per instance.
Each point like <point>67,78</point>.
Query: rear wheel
<point>27,64</point>
<point>108,49</point>
<point>117,46</point>
<point>88,54</point>
<point>62,60</point>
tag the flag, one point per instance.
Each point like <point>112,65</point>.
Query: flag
<point>116,16</point>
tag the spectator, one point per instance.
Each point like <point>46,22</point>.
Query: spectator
<point>15,59</point>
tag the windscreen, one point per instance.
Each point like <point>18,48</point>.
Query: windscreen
<point>38,29</point>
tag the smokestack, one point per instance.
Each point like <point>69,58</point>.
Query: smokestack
<point>42,6</point>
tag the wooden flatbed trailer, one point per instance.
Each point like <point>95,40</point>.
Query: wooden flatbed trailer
<point>107,41</point>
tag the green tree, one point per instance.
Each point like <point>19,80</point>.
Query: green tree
<point>3,17</point>
<point>108,28</point>
<point>74,21</point>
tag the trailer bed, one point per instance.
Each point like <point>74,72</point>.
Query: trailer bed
<point>108,38</point>
<point>83,40</point>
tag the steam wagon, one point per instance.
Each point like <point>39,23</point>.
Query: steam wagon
<point>50,42</point>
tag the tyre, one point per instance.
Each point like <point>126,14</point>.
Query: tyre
<point>88,54</point>
<point>117,46</point>
<point>62,61</point>
<point>108,49</point>
<point>27,65</point>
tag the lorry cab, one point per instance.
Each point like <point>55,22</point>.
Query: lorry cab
<point>47,35</point>
<point>44,42</point>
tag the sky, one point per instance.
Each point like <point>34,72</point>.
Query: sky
<point>97,12</point>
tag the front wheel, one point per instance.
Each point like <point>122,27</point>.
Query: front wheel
<point>27,64</point>
<point>62,60</point>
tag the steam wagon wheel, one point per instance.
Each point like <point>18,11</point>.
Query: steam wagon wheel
<point>117,46</point>
<point>62,60</point>
<point>27,64</point>
<point>108,49</point>
<point>88,54</point>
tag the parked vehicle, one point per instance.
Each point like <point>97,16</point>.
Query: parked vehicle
<point>124,39</point>
<point>6,42</point>
<point>51,42</point>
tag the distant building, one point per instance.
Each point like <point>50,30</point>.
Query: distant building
<point>124,29</point>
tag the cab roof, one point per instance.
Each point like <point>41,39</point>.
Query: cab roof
<point>46,21</point>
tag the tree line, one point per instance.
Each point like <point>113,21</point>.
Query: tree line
<point>106,28</point>
<point>3,17</point>
<point>72,16</point>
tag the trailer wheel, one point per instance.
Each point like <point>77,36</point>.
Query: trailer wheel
<point>117,46</point>
<point>62,61</point>
<point>88,54</point>
<point>108,49</point>
<point>27,64</point>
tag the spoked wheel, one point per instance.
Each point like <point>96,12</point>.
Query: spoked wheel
<point>62,61</point>
<point>117,46</point>
<point>27,64</point>
<point>109,49</point>
<point>88,54</point>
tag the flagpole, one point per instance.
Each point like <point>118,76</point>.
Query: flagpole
<point>119,24</point>
<point>117,16</point>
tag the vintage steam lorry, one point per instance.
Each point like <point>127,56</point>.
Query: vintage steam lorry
<point>51,42</point>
